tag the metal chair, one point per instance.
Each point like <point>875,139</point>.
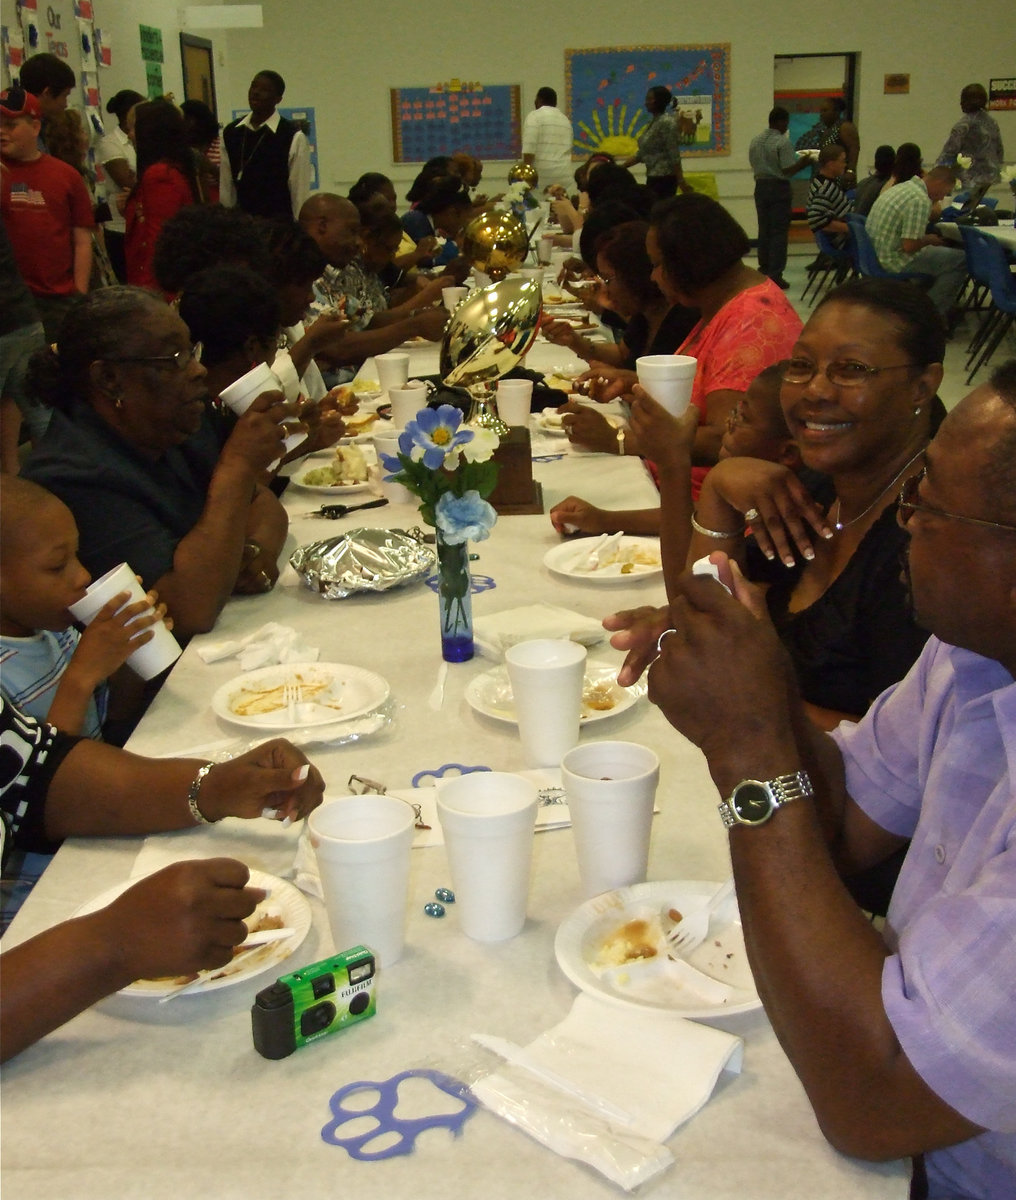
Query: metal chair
<point>833,260</point>
<point>991,258</point>
<point>868,265</point>
<point>979,296</point>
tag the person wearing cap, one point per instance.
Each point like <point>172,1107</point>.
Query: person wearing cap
<point>47,210</point>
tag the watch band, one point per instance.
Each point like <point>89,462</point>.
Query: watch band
<point>781,790</point>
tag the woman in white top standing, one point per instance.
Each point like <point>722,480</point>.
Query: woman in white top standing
<point>115,154</point>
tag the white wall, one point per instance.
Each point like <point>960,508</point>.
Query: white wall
<point>341,58</point>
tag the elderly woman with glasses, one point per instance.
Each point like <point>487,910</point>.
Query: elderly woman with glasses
<point>131,451</point>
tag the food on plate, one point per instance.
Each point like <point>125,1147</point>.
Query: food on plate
<point>552,418</point>
<point>638,939</point>
<point>365,385</point>
<point>344,398</point>
<point>359,422</point>
<point>256,702</point>
<point>601,696</point>
<point>561,383</point>
<point>348,466</point>
<point>632,558</point>
<point>259,920</point>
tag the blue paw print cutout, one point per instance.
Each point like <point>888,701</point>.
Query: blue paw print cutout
<point>443,770</point>
<point>383,1112</point>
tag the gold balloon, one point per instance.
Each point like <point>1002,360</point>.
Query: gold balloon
<point>487,334</point>
<point>523,172</point>
<point>495,243</point>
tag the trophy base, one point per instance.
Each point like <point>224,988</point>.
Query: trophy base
<point>517,492</point>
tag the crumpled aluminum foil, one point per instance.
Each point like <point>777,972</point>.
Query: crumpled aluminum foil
<point>364,560</point>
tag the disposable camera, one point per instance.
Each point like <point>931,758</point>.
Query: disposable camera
<point>323,998</point>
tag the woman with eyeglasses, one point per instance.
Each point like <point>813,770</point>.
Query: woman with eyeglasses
<point>132,452</point>
<point>859,396</point>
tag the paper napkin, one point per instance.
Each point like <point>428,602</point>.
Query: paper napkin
<point>492,634</point>
<point>654,1066</point>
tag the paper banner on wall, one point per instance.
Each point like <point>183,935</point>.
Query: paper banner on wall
<point>94,118</point>
<point>607,89</point>
<point>153,79</point>
<point>151,44</point>
<point>87,47</point>
<point>103,47</point>
<point>13,48</point>
<point>90,89</point>
<point>83,10</point>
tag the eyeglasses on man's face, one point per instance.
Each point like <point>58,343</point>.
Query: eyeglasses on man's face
<point>844,372</point>
<point>909,503</point>
<point>179,360</point>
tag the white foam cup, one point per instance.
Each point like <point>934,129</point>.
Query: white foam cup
<point>392,369</point>
<point>514,398</point>
<point>488,818</point>
<point>394,493</point>
<point>363,844</point>
<point>610,788</point>
<point>547,676</point>
<point>668,378</point>
<point>546,249</point>
<point>453,297</point>
<point>406,402</point>
<point>154,656</point>
<point>239,396</point>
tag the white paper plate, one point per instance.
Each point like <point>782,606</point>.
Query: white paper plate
<point>285,901</point>
<point>721,956</point>
<point>336,489</point>
<point>491,693</point>
<point>559,559</point>
<point>554,430</point>
<point>350,692</point>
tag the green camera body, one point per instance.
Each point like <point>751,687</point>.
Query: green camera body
<point>326,997</point>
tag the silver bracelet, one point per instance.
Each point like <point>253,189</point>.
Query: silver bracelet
<point>713,533</point>
<point>192,796</point>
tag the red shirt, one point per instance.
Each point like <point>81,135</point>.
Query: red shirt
<point>753,330</point>
<point>161,192</point>
<point>42,203</point>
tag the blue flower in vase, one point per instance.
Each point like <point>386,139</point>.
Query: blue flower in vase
<point>467,518</point>
<point>436,433</point>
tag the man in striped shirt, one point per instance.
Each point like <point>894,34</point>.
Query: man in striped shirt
<point>828,203</point>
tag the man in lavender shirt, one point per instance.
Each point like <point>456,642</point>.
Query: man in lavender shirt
<point>904,1039</point>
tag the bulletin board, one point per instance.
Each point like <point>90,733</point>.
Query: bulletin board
<point>480,119</point>
<point>607,91</point>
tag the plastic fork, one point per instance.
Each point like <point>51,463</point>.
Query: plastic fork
<point>690,932</point>
<point>292,698</point>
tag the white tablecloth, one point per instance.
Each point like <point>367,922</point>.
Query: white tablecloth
<point>171,1101</point>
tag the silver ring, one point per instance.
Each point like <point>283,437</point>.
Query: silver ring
<point>751,515</point>
<point>659,640</point>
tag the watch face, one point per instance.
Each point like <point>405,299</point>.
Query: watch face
<point>752,802</point>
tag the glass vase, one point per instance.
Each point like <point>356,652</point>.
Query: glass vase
<point>454,600</point>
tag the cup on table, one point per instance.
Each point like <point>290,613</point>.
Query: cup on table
<point>406,402</point>
<point>394,493</point>
<point>488,819</point>
<point>154,656</point>
<point>610,788</point>
<point>480,278</point>
<point>363,844</point>
<point>534,273</point>
<point>668,378</point>
<point>547,676</point>
<point>453,297</point>
<point>392,369</point>
<point>239,396</point>
<point>514,398</point>
<point>546,249</point>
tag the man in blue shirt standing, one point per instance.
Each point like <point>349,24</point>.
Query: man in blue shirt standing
<point>773,161</point>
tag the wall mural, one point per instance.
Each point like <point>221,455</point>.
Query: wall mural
<point>607,90</point>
